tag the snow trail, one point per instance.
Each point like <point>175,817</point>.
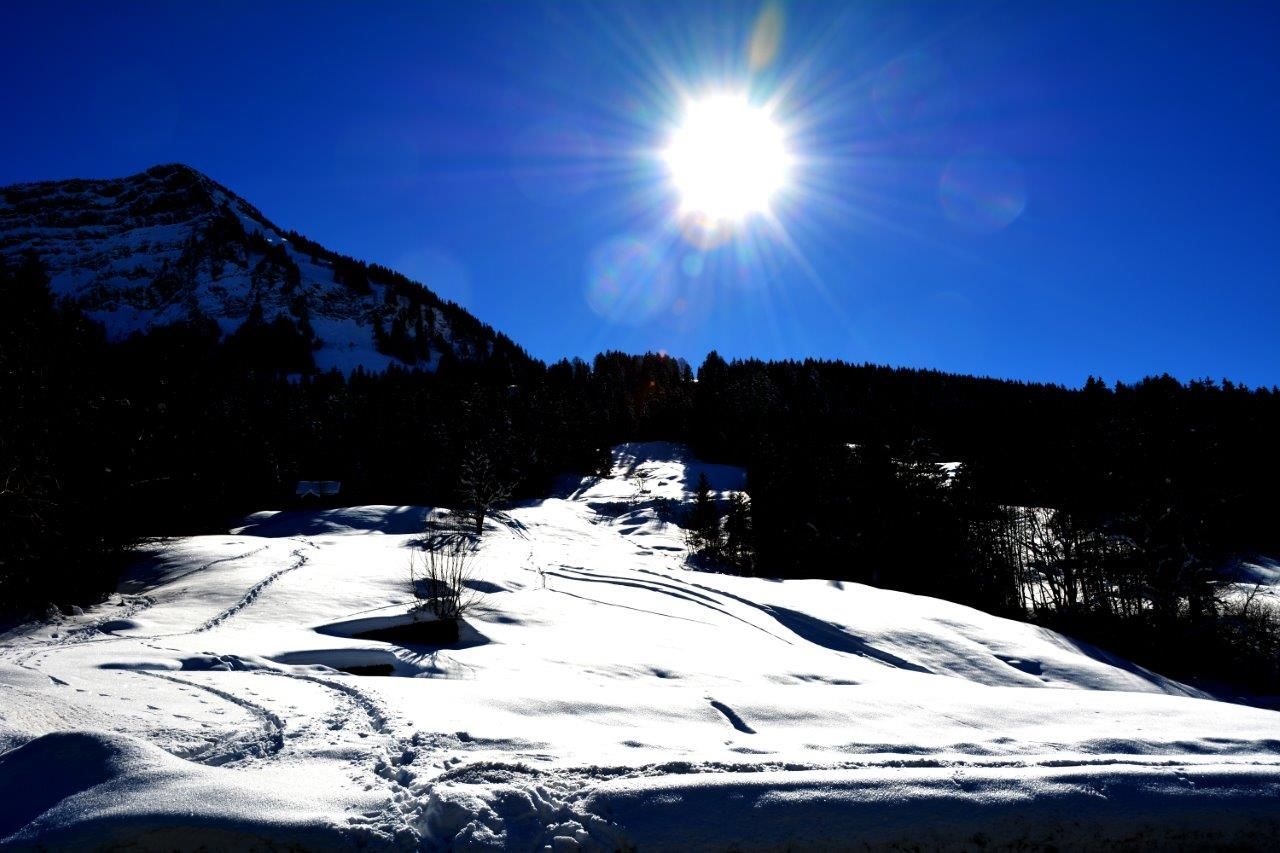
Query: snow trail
<point>252,594</point>
<point>376,715</point>
<point>268,743</point>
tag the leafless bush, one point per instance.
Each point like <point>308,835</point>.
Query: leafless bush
<point>1255,617</point>
<point>442,566</point>
<point>483,487</point>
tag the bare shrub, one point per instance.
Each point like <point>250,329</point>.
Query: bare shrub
<point>1250,625</point>
<point>442,566</point>
<point>482,487</point>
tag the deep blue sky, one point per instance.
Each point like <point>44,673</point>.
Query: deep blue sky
<point>1030,190</point>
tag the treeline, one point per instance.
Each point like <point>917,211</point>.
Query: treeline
<point>1104,511</point>
<point>181,429</point>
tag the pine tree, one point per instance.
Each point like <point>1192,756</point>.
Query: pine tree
<point>704,536</point>
<point>739,547</point>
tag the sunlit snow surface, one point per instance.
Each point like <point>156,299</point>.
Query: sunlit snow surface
<point>602,696</point>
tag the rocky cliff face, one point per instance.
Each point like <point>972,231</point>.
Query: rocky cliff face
<point>170,244</point>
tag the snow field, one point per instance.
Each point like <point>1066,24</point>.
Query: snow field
<point>603,697</point>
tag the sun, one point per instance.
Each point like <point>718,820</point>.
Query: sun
<point>728,159</point>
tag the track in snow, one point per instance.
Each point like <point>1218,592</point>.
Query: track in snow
<point>371,709</point>
<point>254,591</point>
<point>212,563</point>
<point>225,752</point>
<point>669,589</point>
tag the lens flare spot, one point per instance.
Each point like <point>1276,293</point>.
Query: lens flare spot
<point>628,281</point>
<point>982,191</point>
<point>704,232</point>
<point>766,37</point>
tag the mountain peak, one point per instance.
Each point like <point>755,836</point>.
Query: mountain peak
<point>162,169</point>
<point>171,244</point>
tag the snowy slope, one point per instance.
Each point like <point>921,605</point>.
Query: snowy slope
<point>170,243</point>
<point>602,697</point>
<point>1259,575</point>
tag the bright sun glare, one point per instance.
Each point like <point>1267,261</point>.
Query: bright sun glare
<point>728,159</point>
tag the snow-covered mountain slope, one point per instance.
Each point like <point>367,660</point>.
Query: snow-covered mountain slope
<point>601,697</point>
<point>170,243</point>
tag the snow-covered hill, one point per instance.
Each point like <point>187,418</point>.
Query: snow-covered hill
<point>602,697</point>
<point>170,244</point>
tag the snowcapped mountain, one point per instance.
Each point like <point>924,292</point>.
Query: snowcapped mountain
<point>170,244</point>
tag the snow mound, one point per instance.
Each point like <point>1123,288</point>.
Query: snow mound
<point>648,473</point>
<point>76,790</point>
<point>1260,571</point>
<point>391,520</point>
<point>949,809</point>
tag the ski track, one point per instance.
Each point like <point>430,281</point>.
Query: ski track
<point>271,742</point>
<point>378,720</point>
<point>667,589</point>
